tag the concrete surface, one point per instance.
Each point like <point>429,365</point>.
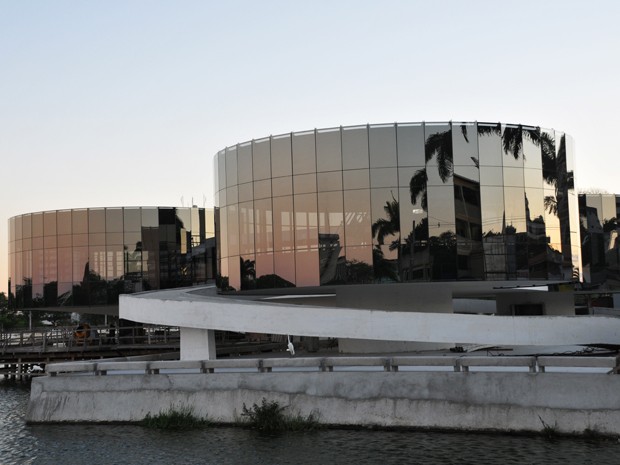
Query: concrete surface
<point>568,402</point>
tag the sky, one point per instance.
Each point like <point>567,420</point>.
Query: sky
<point>124,103</point>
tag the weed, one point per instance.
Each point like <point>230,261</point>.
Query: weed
<point>174,418</point>
<point>550,432</point>
<point>269,417</point>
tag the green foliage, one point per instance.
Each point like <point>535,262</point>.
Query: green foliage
<point>174,418</point>
<point>269,417</point>
<point>10,319</point>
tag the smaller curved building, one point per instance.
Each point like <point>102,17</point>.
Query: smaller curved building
<point>80,260</point>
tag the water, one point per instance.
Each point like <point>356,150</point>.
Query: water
<point>124,444</point>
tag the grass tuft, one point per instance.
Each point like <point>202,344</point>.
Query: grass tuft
<point>174,418</point>
<point>269,417</point>
<point>550,432</point>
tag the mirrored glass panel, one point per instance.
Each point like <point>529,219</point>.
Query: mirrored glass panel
<point>465,144</point>
<point>489,145</point>
<point>261,159</point>
<point>264,226</point>
<point>512,146</point>
<point>282,186</point>
<point>233,230</point>
<point>27,226</point>
<point>532,148</point>
<point>265,278</point>
<point>65,272</point>
<point>221,167</point>
<point>304,183</point>
<point>468,226</point>
<point>79,221</point>
<point>382,146</point>
<point>37,224</point>
<point>223,242</point>
<point>307,268</point>
<point>49,223</point>
<point>304,153</point>
<point>283,223</point>
<point>328,150</point>
<point>132,220</point>
<point>150,217</point>
<point>234,273</point>
<point>247,272</point>
<point>284,269</point>
<point>357,217</point>
<point>331,181</point>
<point>114,220</point>
<point>246,192</point>
<point>356,179</point>
<point>244,160</point>
<point>281,160</point>
<point>246,228</point>
<point>355,148</point>
<point>358,265</point>
<point>262,189</point>
<point>306,222</point>
<point>231,166</point>
<point>410,145</point>
<point>96,220</point>
<point>438,149</point>
<point>384,177</point>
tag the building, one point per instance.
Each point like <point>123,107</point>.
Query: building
<point>392,237</point>
<point>412,202</point>
<point>81,260</point>
<point>600,251</point>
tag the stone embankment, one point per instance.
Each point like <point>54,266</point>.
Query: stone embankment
<point>567,394</point>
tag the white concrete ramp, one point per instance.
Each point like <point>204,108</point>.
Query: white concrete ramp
<point>188,309</point>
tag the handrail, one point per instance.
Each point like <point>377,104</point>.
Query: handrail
<point>534,364</point>
<point>100,335</point>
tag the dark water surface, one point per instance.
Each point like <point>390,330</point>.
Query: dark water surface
<point>123,444</point>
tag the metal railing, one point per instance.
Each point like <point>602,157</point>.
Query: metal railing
<point>67,337</point>
<point>533,364</point>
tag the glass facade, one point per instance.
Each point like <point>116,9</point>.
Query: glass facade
<point>398,202</point>
<point>600,244</point>
<point>88,257</point>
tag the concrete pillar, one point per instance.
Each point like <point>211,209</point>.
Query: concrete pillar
<point>197,344</point>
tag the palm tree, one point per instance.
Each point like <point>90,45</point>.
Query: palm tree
<point>389,226</point>
<point>381,229</point>
<point>438,144</point>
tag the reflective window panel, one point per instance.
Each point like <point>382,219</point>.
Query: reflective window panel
<point>328,150</point>
<point>244,161</point>
<point>261,159</point>
<point>281,161</point>
<point>355,148</point>
<point>410,145</point>
<point>382,146</point>
<point>304,153</point>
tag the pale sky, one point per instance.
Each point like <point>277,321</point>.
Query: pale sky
<point>124,103</point>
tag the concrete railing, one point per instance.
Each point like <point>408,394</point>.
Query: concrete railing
<point>533,364</point>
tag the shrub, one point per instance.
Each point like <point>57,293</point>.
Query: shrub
<point>269,417</point>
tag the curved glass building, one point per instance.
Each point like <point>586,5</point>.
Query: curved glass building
<point>401,202</point>
<point>87,257</point>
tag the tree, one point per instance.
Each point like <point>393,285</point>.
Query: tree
<point>389,226</point>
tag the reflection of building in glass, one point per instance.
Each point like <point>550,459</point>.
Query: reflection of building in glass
<point>79,259</point>
<point>398,203</point>
<point>600,245</point>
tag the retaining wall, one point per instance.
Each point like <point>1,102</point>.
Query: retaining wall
<point>569,402</point>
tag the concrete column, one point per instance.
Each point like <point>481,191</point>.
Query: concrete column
<point>197,344</point>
